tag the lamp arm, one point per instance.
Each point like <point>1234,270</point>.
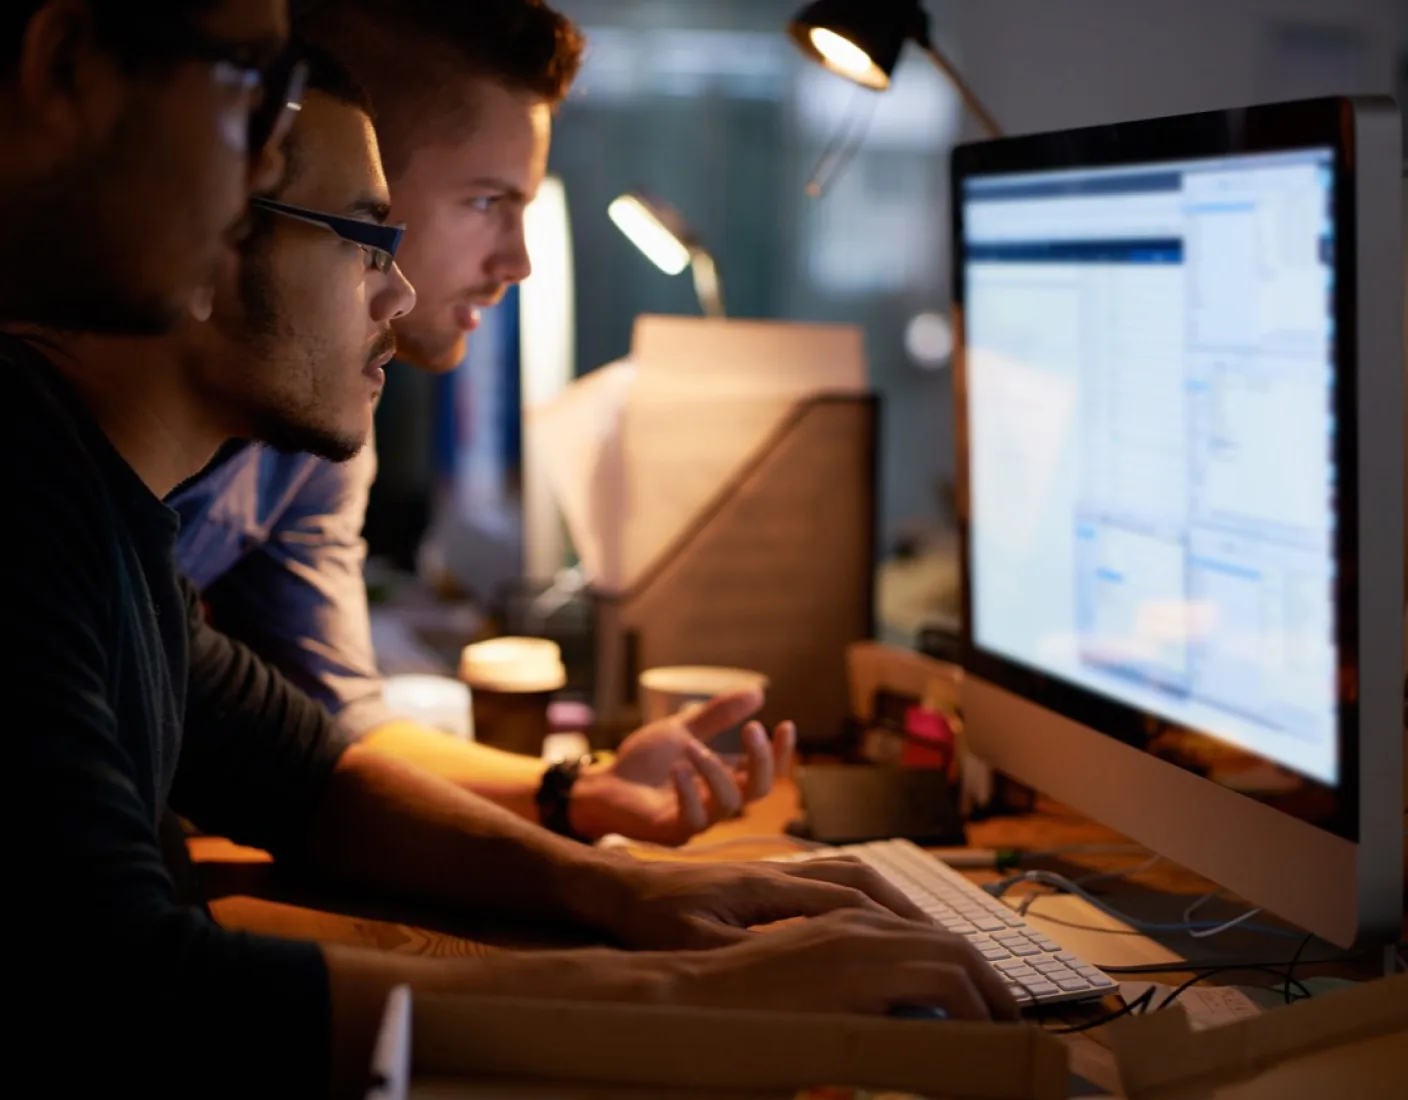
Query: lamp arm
<point>925,41</point>
<point>707,283</point>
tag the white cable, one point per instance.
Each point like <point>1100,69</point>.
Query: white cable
<point>1065,885</point>
<point>1203,934</point>
<point>1188,913</point>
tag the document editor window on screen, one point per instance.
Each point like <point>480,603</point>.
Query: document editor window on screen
<point>1151,425</point>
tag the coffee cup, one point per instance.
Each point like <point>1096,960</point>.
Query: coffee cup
<point>511,682</point>
<point>680,689</point>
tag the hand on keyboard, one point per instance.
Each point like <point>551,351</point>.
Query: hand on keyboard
<point>690,906</point>
<point>1040,970</point>
<point>852,961</point>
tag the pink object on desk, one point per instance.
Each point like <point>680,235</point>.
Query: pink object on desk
<point>930,740</point>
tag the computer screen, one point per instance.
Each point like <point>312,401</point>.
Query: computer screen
<point>1179,393</point>
<point>1151,422</point>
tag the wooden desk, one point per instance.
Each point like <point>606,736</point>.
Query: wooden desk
<point>246,895</point>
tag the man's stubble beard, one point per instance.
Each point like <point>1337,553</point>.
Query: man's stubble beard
<point>438,354</point>
<point>276,422</point>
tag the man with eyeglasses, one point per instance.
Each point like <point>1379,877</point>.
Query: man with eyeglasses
<point>124,702</point>
<point>464,98</point>
<point>132,136</point>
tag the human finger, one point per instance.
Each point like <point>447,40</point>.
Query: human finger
<point>756,771</point>
<point>721,713</point>
<point>784,747</point>
<point>725,796</point>
<point>853,874</point>
<point>692,816</point>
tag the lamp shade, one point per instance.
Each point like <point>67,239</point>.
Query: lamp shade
<point>654,228</point>
<point>858,39</point>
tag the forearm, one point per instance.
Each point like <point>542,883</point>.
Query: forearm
<point>505,778</point>
<point>360,982</point>
<point>389,826</point>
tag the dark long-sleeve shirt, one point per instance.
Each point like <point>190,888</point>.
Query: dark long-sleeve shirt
<point>119,702</point>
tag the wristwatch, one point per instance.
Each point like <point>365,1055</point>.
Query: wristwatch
<point>555,796</point>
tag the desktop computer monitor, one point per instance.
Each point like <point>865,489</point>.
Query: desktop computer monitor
<point>1180,387</point>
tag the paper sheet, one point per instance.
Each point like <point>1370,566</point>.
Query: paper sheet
<point>577,440</point>
<point>1207,1005</point>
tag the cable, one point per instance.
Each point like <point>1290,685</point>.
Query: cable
<point>1144,1002</point>
<point>1065,885</point>
<point>1139,1004</point>
<point>844,145</point>
<point>1191,982</point>
<point>1291,966</point>
<point>1202,935</point>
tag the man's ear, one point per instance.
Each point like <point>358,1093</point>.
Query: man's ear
<point>64,75</point>
<point>202,305</point>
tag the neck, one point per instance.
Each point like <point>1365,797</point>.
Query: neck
<point>141,398</point>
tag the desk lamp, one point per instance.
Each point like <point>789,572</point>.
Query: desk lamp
<point>862,39</point>
<point>666,239</point>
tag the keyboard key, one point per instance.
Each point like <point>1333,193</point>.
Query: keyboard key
<point>1025,950</point>
<point>1073,985</point>
<point>1067,957</point>
<point>994,952</point>
<point>1011,937</point>
<point>1042,942</point>
<point>960,927</point>
<point>988,924</point>
<point>1011,964</point>
<point>1039,989</point>
<point>1051,966</point>
<point>1026,975</point>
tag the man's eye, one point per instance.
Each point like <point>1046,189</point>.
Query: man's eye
<point>484,204</point>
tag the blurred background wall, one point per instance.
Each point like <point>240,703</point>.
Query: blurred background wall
<point>708,104</point>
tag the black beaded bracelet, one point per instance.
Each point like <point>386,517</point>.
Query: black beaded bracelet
<point>555,796</point>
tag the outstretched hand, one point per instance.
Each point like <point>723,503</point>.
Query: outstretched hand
<point>666,784</point>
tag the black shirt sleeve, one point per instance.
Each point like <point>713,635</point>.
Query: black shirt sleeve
<point>257,751</point>
<point>112,984</point>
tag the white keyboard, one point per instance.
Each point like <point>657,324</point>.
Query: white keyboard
<point>1040,970</point>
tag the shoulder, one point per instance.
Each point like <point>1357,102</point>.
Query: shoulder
<point>315,486</point>
<point>43,433</point>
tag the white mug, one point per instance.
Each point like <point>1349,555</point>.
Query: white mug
<point>669,691</point>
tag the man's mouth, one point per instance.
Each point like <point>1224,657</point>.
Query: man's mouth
<point>382,353</point>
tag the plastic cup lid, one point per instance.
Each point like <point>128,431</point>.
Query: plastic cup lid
<point>702,680</point>
<point>513,665</point>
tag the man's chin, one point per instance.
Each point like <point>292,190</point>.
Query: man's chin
<point>434,352</point>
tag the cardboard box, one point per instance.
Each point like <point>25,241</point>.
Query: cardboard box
<point>459,1047</point>
<point>1343,1045</point>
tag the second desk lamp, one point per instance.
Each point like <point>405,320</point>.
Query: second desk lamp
<point>662,234</point>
